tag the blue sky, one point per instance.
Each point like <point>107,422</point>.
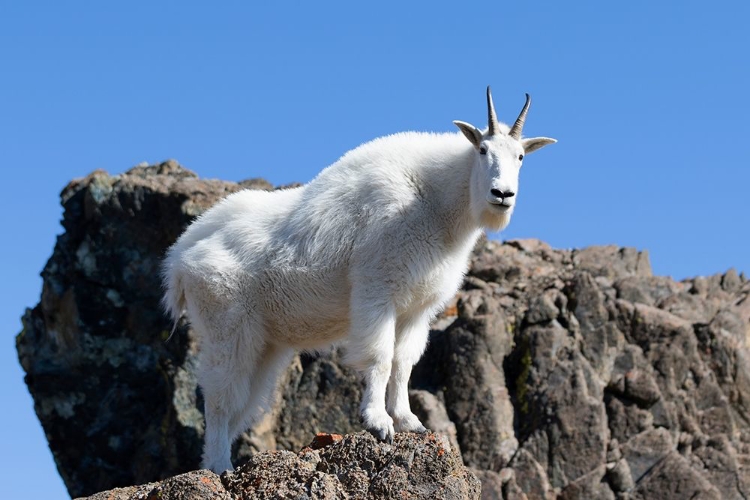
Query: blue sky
<point>649,101</point>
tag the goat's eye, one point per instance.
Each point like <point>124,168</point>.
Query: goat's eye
<point>483,150</point>
<point>520,157</point>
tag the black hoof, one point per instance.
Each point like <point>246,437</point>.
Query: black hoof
<point>382,435</point>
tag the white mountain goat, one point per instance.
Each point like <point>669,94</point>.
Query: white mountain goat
<point>364,256</point>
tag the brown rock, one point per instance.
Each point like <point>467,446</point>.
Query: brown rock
<point>321,440</point>
<point>355,466</point>
<point>195,485</point>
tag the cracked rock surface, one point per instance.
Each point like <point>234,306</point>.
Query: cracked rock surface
<point>555,373</point>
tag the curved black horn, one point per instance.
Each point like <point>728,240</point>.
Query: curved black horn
<point>491,116</point>
<point>515,131</point>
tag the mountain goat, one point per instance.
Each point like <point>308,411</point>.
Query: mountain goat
<point>364,256</point>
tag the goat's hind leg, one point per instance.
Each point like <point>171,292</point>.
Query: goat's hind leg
<point>226,367</point>
<point>222,401</point>
<point>263,381</point>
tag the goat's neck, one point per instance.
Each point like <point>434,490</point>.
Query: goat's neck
<point>458,224</point>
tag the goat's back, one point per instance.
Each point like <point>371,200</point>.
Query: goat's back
<point>289,258</point>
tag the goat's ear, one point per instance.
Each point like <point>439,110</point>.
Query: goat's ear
<point>534,143</point>
<point>470,131</point>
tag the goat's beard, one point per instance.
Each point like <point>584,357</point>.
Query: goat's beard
<point>495,221</point>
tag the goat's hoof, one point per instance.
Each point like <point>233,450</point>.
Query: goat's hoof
<point>384,435</point>
<point>379,424</point>
<point>219,468</point>
<point>421,429</point>
<point>409,423</point>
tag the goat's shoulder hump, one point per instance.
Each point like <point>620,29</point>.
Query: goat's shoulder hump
<point>408,142</point>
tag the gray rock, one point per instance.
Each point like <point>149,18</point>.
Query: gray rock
<point>632,378</point>
<point>620,477</point>
<point>530,476</point>
<point>570,373</point>
<point>721,467</point>
<point>432,413</point>
<point>492,484</point>
<point>612,262</point>
<point>626,419</point>
<point>673,478</point>
<point>471,377</point>
<point>645,450</point>
<point>649,290</point>
<point>590,486</point>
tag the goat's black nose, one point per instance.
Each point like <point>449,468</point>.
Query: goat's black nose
<point>502,194</point>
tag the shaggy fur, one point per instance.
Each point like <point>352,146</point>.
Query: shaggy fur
<point>364,255</point>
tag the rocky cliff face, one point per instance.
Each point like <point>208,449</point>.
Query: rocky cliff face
<point>556,373</point>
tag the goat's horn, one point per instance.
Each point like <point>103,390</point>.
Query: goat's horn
<point>515,131</point>
<point>491,116</point>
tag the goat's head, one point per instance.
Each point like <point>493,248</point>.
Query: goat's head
<point>500,150</point>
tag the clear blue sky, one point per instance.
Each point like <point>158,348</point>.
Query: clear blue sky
<point>649,101</point>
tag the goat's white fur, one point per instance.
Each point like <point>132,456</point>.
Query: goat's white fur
<point>365,254</point>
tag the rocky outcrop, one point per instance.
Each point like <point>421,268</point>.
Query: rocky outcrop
<point>332,467</point>
<point>556,373</point>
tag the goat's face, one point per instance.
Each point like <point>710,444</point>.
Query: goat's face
<point>499,153</point>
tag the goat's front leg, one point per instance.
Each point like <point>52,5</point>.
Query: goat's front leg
<point>370,350</point>
<point>411,340</point>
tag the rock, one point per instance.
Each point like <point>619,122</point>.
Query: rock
<point>474,387</point>
<point>632,378</point>
<point>645,450</point>
<point>612,262</point>
<point>322,440</point>
<point>492,484</point>
<point>195,485</point>
<point>553,373</point>
<point>432,413</point>
<point>319,395</point>
<point>530,476</point>
<point>511,491</point>
<point>355,466</point>
<point>674,478</point>
<point>619,477</point>
<point>588,303</point>
<point>118,401</point>
<point>721,468</point>
<point>649,290</point>
<point>421,466</point>
<point>591,486</point>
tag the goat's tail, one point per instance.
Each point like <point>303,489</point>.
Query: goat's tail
<point>173,300</point>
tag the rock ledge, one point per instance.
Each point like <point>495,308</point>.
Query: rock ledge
<point>355,466</point>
